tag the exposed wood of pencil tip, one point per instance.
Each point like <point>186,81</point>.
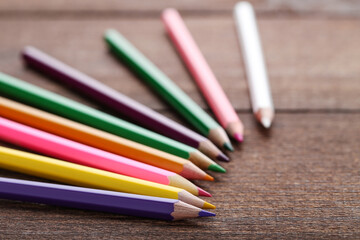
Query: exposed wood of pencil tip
<point>200,160</point>
<point>180,182</point>
<point>209,149</point>
<point>218,136</point>
<point>187,197</point>
<point>265,116</point>
<point>183,210</point>
<point>191,171</point>
<point>234,128</point>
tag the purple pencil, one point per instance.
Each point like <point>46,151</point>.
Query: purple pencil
<point>119,102</point>
<point>98,200</point>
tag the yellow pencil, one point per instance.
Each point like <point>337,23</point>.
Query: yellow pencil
<point>75,174</point>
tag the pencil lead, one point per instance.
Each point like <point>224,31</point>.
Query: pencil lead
<point>204,213</point>
<point>223,157</point>
<point>228,146</point>
<point>239,137</point>
<point>208,178</point>
<point>208,205</point>
<point>266,122</point>
<point>216,168</point>
<point>203,193</point>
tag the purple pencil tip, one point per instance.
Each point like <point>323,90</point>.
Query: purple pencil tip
<point>222,157</point>
<point>204,213</point>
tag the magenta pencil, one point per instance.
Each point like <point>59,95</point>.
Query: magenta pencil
<point>75,152</point>
<point>202,74</point>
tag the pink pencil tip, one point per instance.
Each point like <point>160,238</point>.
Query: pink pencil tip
<point>203,193</point>
<point>239,137</point>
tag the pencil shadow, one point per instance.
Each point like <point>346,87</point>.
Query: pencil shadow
<point>266,133</point>
<point>188,73</point>
<point>185,68</point>
<point>138,78</point>
<point>238,146</point>
<point>51,211</point>
<point>82,95</point>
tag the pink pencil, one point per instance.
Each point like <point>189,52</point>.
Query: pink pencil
<point>75,152</point>
<point>202,74</point>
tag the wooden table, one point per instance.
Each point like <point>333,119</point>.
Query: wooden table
<point>299,180</point>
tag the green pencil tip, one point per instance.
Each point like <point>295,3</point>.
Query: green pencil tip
<point>228,146</point>
<point>216,168</point>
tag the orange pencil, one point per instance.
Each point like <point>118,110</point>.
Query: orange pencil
<point>99,139</point>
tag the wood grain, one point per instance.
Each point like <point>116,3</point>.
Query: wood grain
<point>312,64</point>
<point>139,7</point>
<point>284,184</point>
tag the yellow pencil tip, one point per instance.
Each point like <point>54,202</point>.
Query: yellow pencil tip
<point>208,178</point>
<point>208,205</point>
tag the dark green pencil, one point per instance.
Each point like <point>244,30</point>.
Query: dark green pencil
<point>52,102</point>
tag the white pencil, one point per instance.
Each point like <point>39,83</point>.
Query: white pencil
<point>258,82</point>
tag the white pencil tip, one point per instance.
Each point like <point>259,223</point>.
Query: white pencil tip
<point>266,122</point>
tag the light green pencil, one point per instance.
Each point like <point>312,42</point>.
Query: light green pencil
<point>166,88</point>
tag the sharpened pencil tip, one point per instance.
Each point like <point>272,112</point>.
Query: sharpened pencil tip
<point>204,213</point>
<point>208,178</point>
<point>203,193</point>
<point>208,205</point>
<point>266,122</point>
<point>223,157</point>
<point>239,137</point>
<point>228,146</point>
<point>216,168</point>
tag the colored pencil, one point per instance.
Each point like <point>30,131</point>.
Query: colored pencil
<point>256,72</point>
<point>96,138</point>
<point>52,102</point>
<point>64,149</point>
<point>201,72</point>
<point>98,200</point>
<point>126,106</point>
<point>75,174</point>
<point>167,89</point>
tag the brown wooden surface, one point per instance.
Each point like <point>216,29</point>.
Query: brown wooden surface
<point>126,7</point>
<point>300,180</point>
